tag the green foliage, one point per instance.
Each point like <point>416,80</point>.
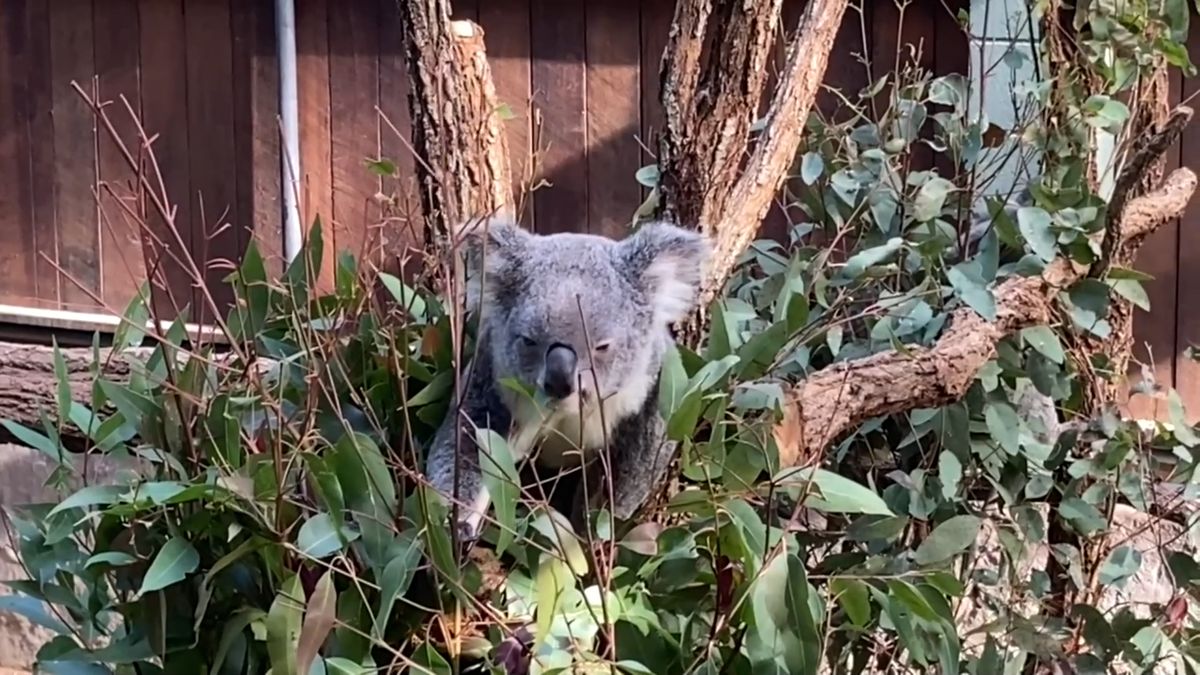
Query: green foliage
<point>273,519</point>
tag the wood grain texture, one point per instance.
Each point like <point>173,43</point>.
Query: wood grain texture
<point>316,162</point>
<point>403,228</point>
<point>17,243</point>
<point>903,39</point>
<point>655,26</point>
<point>41,160</point>
<point>1172,255</point>
<point>506,33</point>
<point>613,110</point>
<point>354,128</point>
<point>950,55</point>
<point>558,37</point>
<point>75,153</point>
<point>259,213</point>
<point>211,136</point>
<point>117,64</point>
<point>165,118</point>
<point>1162,335</point>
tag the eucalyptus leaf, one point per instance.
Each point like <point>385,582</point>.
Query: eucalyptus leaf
<point>177,559</point>
<point>948,539</point>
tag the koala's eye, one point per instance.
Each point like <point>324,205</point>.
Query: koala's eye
<point>526,341</point>
<point>602,347</point>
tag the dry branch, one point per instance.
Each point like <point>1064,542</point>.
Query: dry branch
<point>825,406</point>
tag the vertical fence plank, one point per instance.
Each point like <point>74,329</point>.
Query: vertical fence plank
<point>75,153</point>
<point>559,90</point>
<point>259,213</point>
<point>1176,311</point>
<point>353,91</point>
<point>403,230</point>
<point>165,118</point>
<point>507,37</point>
<point>41,162</point>
<point>902,39</point>
<point>17,244</point>
<point>655,27</point>
<point>1160,335</point>
<point>951,54</point>
<point>116,26</point>
<point>316,162</point>
<point>613,111</point>
<point>211,134</point>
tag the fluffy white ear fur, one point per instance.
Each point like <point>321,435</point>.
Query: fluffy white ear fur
<point>488,244</point>
<point>671,263</point>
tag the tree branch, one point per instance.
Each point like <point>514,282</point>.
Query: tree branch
<point>833,401</point>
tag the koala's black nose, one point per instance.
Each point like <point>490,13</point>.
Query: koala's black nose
<point>559,378</point>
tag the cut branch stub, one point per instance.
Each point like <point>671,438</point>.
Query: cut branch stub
<point>457,130</point>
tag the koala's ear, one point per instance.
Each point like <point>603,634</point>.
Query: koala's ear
<point>668,263</point>
<point>493,248</point>
<point>498,234</point>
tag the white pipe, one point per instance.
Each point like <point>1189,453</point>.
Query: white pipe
<point>289,108</point>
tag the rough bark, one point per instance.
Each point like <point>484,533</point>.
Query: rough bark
<point>29,387</point>
<point>713,73</point>
<point>825,406</point>
<point>457,130</point>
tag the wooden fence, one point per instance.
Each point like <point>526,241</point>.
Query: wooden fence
<point>579,77</point>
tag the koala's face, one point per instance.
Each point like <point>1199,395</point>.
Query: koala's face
<point>582,315</point>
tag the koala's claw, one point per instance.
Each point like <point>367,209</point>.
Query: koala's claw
<point>467,534</point>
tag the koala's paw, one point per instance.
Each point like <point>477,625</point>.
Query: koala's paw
<point>467,534</point>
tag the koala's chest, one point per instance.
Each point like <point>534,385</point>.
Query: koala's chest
<point>565,437</point>
<point>559,438</point>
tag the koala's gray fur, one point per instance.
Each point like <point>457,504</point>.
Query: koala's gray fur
<point>610,304</point>
<point>982,219</point>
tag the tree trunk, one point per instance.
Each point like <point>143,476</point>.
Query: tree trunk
<point>711,100</point>
<point>29,386</point>
<point>458,136</point>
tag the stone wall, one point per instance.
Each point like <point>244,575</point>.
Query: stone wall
<point>23,473</point>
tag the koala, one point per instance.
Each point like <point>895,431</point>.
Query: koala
<point>584,322</point>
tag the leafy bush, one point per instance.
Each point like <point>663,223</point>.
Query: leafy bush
<point>273,517</point>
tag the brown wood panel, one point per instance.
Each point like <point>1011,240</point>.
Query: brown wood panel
<point>507,38</point>
<point>17,244</point>
<point>259,211</point>
<point>779,217</point>
<point>354,94</point>
<point>211,135</point>
<point>846,71</point>
<point>1160,335</point>
<point>165,118</point>
<point>613,112</point>
<point>41,161</point>
<point>316,163</point>
<point>655,27</point>
<point>75,156</point>
<point>117,61</point>
<point>401,236</point>
<point>1176,311</point>
<point>901,39</point>
<point>950,55</point>
<point>559,92</point>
